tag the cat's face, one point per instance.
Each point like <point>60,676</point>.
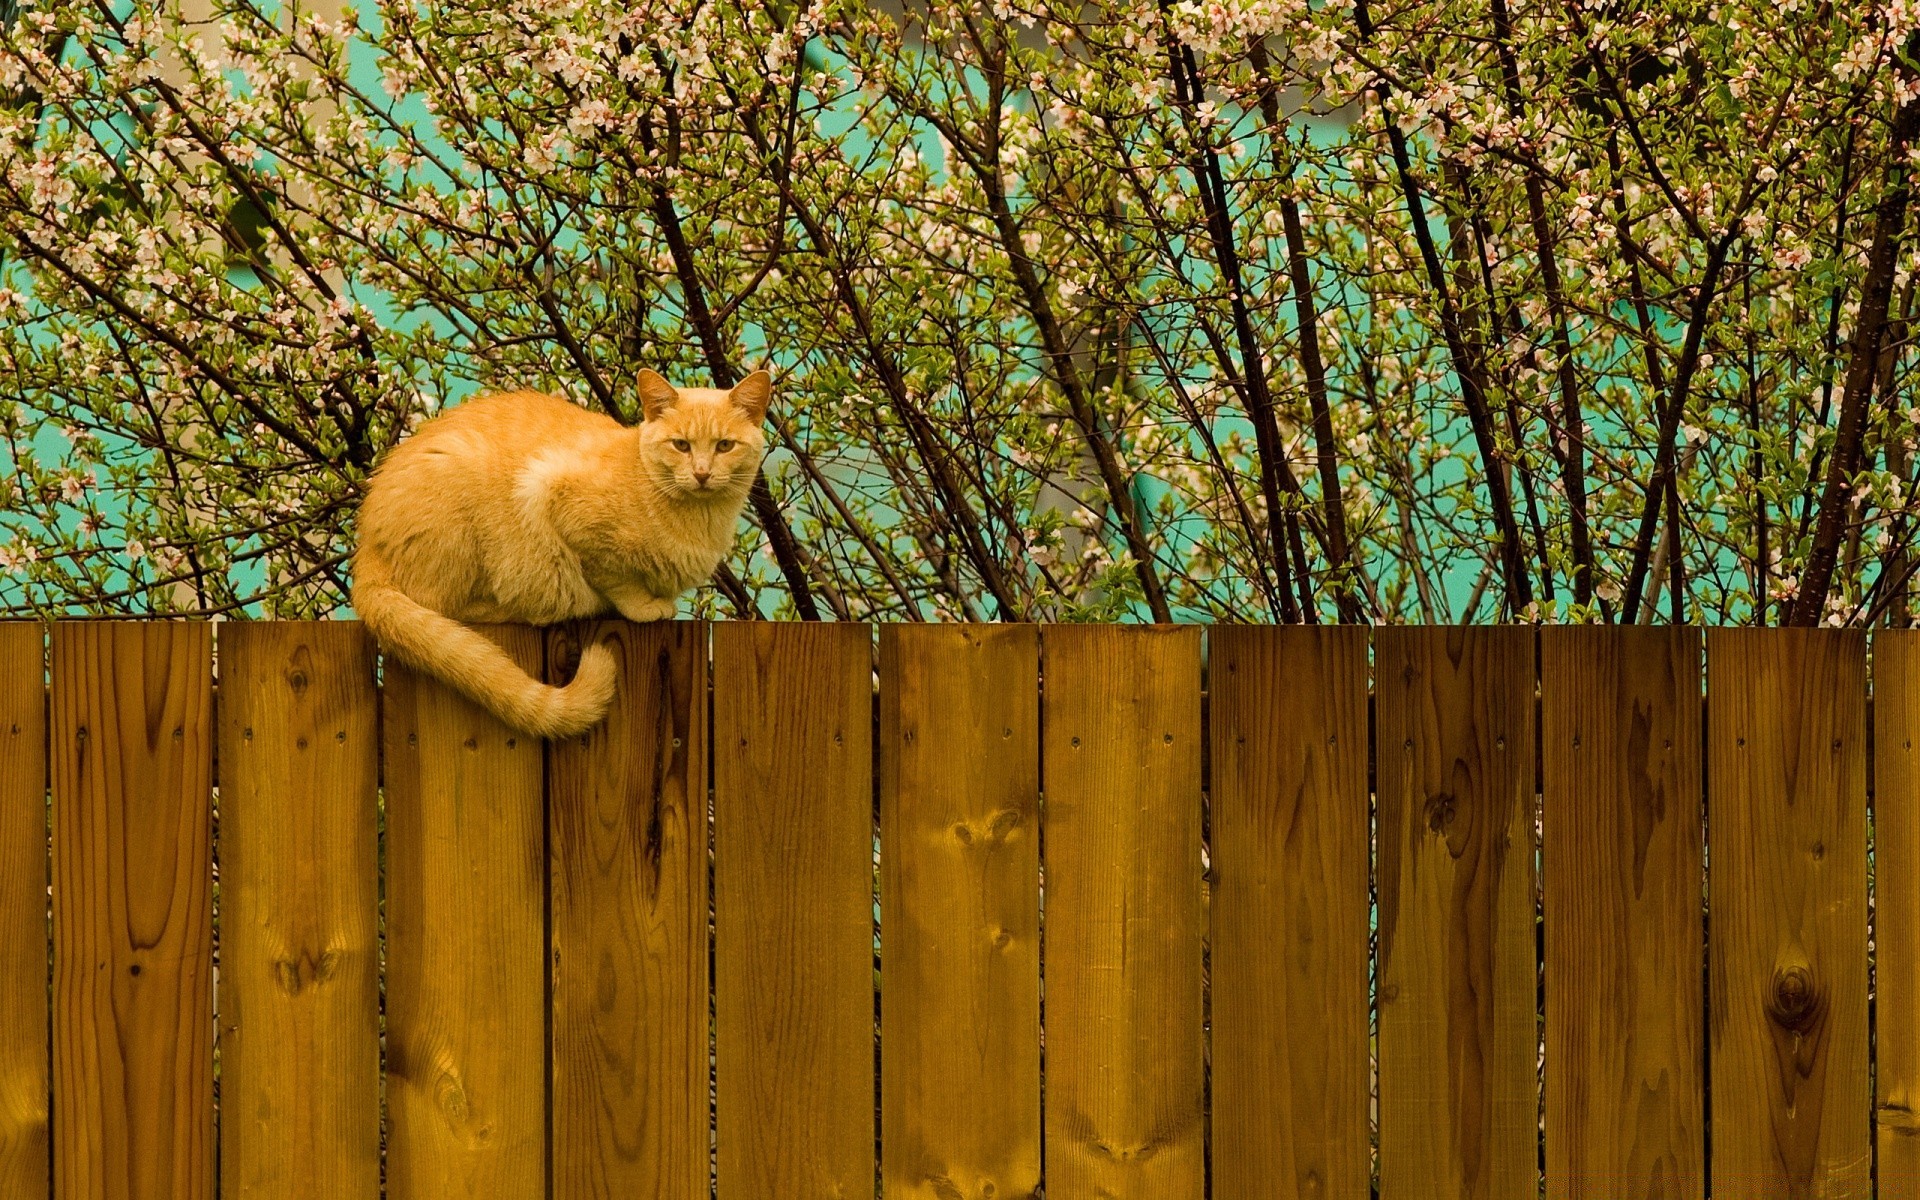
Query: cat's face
<point>703,442</point>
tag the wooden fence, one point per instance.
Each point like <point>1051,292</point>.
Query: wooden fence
<point>1294,938</point>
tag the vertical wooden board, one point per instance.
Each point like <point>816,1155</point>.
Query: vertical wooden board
<point>1457,975</point>
<point>960,910</point>
<point>1787,911</point>
<point>1896,841</point>
<point>24,1165</point>
<point>627,831</point>
<point>466,941</point>
<point>793,909</point>
<point>1123,919</point>
<point>132,910</point>
<point>1290,860</point>
<point>1621,866</point>
<point>299,911</point>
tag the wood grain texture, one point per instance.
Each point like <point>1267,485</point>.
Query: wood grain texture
<point>1788,910</point>
<point>793,910</point>
<point>1458,1091</point>
<point>132,758</point>
<point>466,942</point>
<point>960,911</point>
<point>1896,840</point>
<point>1290,861</point>
<point>24,1165</point>
<point>299,912</point>
<point>627,834</point>
<point>1123,913</point>
<point>1621,866</point>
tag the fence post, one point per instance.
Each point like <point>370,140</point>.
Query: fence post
<point>1787,912</point>
<point>299,912</point>
<point>24,1165</point>
<point>466,943</point>
<point>1291,851</point>
<point>793,909</point>
<point>1459,1102</point>
<point>627,830</point>
<point>1896,841</point>
<point>1621,866</point>
<point>960,910</point>
<point>132,756</point>
<point>1125,1104</point>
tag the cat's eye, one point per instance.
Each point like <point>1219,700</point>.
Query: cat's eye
<point>722,446</point>
<point>682,445</point>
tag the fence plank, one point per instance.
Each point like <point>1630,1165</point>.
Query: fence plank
<point>299,909</point>
<point>466,942</point>
<point>1458,1096</point>
<point>1896,840</point>
<point>1290,861</point>
<point>793,909</point>
<point>24,1165</point>
<point>1123,913</point>
<point>627,821</point>
<point>132,905</point>
<point>960,910</point>
<point>1621,862</point>
<point>1788,912</point>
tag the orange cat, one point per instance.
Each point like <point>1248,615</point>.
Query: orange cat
<point>526,508</point>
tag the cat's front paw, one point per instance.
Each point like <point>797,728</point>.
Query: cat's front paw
<point>647,609</point>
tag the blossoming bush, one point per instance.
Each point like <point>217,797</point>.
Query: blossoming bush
<point>1270,310</point>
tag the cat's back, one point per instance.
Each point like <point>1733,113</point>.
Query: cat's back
<point>468,458</point>
<point>509,424</point>
<point>490,436</point>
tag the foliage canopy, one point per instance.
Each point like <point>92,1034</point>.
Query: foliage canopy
<point>1270,310</point>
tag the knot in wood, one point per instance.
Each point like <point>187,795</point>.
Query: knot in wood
<point>1794,1001</point>
<point>1441,807</point>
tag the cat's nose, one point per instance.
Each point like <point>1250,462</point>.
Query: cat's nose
<point>700,477</point>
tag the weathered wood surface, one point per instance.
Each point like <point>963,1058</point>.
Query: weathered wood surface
<point>960,910</point>
<point>1290,860</point>
<point>1124,1103</point>
<point>466,942</point>
<point>627,812</point>
<point>1455,780</point>
<point>299,912</point>
<point>132,759</point>
<point>1787,804</point>
<point>547,941</point>
<point>24,1165</point>
<point>793,909</point>
<point>1621,837</point>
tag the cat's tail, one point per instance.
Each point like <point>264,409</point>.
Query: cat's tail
<point>481,670</point>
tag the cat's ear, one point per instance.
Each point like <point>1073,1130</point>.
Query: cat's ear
<point>656,394</point>
<point>751,394</point>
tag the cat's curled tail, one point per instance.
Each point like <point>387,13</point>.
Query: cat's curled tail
<point>481,670</point>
